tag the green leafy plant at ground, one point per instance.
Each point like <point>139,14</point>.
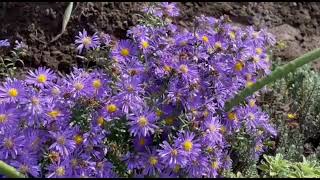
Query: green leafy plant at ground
<point>277,166</point>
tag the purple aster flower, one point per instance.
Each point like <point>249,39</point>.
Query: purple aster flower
<point>83,41</point>
<point>4,43</point>
<point>125,49</point>
<point>34,105</point>
<point>152,165</point>
<point>177,92</point>
<point>8,116</point>
<point>105,39</point>
<point>57,113</point>
<point>78,85</point>
<point>41,77</point>
<point>197,166</point>
<point>104,170</point>
<point>133,161</point>
<point>59,170</point>
<point>10,143</point>
<point>153,10</point>
<point>188,72</point>
<point>98,82</point>
<point>12,90</point>
<point>171,156</point>
<point>27,165</point>
<point>259,148</point>
<point>34,139</point>
<point>170,9</point>
<point>130,94</point>
<point>142,123</point>
<point>215,165</point>
<point>140,143</point>
<point>93,143</point>
<point>212,129</point>
<point>64,142</point>
<point>112,109</point>
<point>187,142</point>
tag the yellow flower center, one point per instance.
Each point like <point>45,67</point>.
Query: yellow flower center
<point>35,101</point>
<point>78,86</point>
<point>290,116</point>
<point>143,121</point>
<point>232,35</point>
<point>125,52</point>
<point>8,143</point>
<point>133,72</point>
<point>184,69</point>
<point>214,165</point>
<point>74,162</point>
<point>239,66</point>
<point>174,152</point>
<point>99,165</point>
<point>187,145</point>
<point>112,108</point>
<point>86,41</point>
<point>54,114</point>
<point>252,103</point>
<point>60,171</point>
<point>42,78</point>
<point>100,121</point>
<point>159,112</point>
<point>54,156</point>
<point>3,118</point>
<point>218,45</point>
<point>13,92</point>
<point>232,116</point>
<point>212,128</point>
<point>153,160</point>
<point>61,140</point>
<point>256,59</point>
<point>144,44</point>
<point>176,169</point>
<point>205,39</point>
<point>223,129</point>
<point>249,83</point>
<point>169,121</point>
<point>97,83</point>
<point>78,139</point>
<point>142,141</point>
<point>258,51</point>
<point>258,147</point>
<point>167,68</point>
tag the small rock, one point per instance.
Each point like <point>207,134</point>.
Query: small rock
<point>292,51</point>
<point>285,32</point>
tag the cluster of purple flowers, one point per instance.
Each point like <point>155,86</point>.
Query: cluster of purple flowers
<point>171,89</point>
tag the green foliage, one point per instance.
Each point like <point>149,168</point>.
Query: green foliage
<point>297,94</point>
<point>277,166</point>
<point>8,64</point>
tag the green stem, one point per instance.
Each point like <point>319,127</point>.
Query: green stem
<point>9,171</point>
<point>278,73</point>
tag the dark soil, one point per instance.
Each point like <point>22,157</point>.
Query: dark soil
<point>295,23</point>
